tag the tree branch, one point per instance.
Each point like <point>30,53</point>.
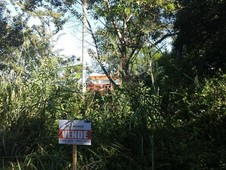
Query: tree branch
<point>98,55</point>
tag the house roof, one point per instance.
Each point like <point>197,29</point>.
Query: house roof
<point>96,74</point>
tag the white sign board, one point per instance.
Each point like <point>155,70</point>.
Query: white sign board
<point>76,132</point>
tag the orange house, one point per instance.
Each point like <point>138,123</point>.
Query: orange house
<point>99,82</point>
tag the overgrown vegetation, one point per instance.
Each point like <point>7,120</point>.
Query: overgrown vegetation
<point>169,113</point>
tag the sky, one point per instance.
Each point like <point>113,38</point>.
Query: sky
<point>70,40</point>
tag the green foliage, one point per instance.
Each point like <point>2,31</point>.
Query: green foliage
<point>129,28</point>
<point>123,123</point>
<point>26,110</point>
<point>33,96</point>
<point>200,41</point>
<point>167,118</point>
<point>10,32</point>
<point>193,109</point>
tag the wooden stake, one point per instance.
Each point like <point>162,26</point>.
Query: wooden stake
<point>74,157</point>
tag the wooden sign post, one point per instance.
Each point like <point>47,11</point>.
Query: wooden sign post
<point>74,157</point>
<point>75,132</point>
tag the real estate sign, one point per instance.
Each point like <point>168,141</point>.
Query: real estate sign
<point>76,132</point>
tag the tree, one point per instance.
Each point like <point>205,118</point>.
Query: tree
<point>128,27</point>
<point>32,94</point>
<point>16,31</point>
<point>10,33</point>
<point>201,27</point>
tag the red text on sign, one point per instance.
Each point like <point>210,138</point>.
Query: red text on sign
<point>74,134</point>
